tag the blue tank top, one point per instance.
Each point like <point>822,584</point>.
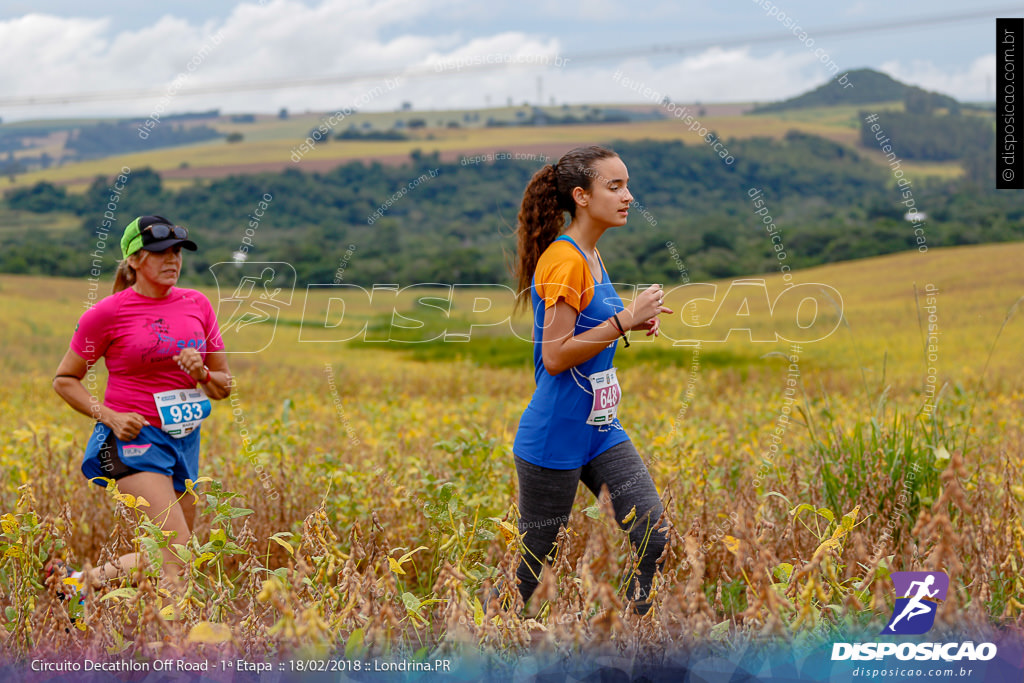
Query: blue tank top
<point>553,431</point>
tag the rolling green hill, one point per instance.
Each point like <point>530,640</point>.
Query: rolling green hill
<point>863,86</point>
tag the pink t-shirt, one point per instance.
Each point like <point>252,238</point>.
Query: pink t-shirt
<point>138,338</point>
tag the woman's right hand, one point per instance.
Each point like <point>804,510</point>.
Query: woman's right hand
<point>126,426</point>
<point>647,304</point>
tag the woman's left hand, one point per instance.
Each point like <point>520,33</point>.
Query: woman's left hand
<point>653,325</point>
<point>191,362</point>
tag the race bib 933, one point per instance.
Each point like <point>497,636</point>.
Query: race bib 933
<point>181,410</point>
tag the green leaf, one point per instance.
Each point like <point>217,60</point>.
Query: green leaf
<point>801,508</point>
<point>204,557</point>
<point>412,603</point>
<point>10,613</point>
<point>283,543</point>
<point>720,630</point>
<point>126,592</point>
<point>446,492</point>
<point>849,519</point>
<point>218,537</point>
<point>119,644</point>
<point>354,645</point>
<point>152,548</point>
<point>231,549</point>
<point>231,513</point>
<point>594,511</point>
<point>209,632</point>
<point>783,571</point>
<point>478,612</point>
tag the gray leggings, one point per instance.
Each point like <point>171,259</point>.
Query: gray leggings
<point>545,501</point>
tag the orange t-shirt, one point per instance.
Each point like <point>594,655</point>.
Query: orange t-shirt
<point>563,273</point>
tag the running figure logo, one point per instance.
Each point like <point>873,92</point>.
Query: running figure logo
<point>259,292</point>
<point>914,612</point>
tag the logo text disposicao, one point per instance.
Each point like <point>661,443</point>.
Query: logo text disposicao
<point>948,652</point>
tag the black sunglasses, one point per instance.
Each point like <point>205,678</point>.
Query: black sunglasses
<point>161,231</point>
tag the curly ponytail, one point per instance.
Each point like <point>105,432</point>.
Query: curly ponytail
<point>542,212</point>
<point>541,218</point>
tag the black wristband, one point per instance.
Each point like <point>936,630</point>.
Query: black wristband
<point>615,316</point>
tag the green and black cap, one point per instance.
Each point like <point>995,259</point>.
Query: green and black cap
<point>153,233</point>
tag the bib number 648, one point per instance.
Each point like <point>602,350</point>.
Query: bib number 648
<point>607,394</point>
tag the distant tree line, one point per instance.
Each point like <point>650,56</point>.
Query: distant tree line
<point>927,137</point>
<point>356,134</point>
<point>828,203</point>
<point>107,139</point>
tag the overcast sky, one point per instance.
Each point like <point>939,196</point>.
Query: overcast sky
<point>91,54</point>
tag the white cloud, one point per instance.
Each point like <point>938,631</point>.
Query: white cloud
<point>974,83</point>
<point>714,75</point>
<point>282,39</point>
<point>287,39</point>
<point>857,9</point>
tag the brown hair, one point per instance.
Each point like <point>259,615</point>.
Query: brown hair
<point>542,212</point>
<point>125,275</point>
<point>124,278</point>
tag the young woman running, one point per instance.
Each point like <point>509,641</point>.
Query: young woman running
<point>569,432</point>
<point>165,360</point>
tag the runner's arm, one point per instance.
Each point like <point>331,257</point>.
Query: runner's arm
<point>210,373</point>
<point>561,350</point>
<point>68,385</point>
<point>219,386</point>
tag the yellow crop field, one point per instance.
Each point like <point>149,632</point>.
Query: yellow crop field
<point>362,494</point>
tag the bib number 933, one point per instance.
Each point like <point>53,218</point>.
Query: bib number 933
<point>181,410</point>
